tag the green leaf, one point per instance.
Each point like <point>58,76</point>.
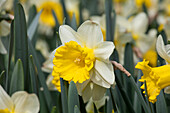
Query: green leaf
<point>56,20</point>
<point>73,22</point>
<point>43,103</point>
<point>17,80</point>
<point>33,76</point>
<point>41,77</point>
<point>137,105</point>
<point>21,40</point>
<point>95,109</point>
<point>129,66</point>
<point>123,92</point>
<point>65,12</point>
<point>161,106</point>
<point>33,26</point>
<point>10,51</point>
<point>109,102</point>
<point>63,96</point>
<point>109,23</point>
<point>140,97</point>
<point>76,109</point>
<point>32,14</point>
<point>73,98</point>
<point>147,98</point>
<point>2,75</point>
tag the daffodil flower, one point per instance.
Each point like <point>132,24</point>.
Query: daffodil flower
<point>19,102</point>
<point>84,59</point>
<point>156,78</point>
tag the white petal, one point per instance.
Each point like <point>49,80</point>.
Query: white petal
<point>140,23</point>
<point>123,22</point>
<point>82,86</point>
<point>98,92</point>
<point>2,48</point>
<point>4,28</point>
<point>48,64</point>
<point>87,92</point>
<point>68,34</point>
<point>5,100</point>
<point>160,47</point>
<point>91,33</point>
<point>25,103</point>
<point>105,69</point>
<point>103,50</point>
<point>97,79</point>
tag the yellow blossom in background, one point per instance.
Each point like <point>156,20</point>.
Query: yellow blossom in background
<point>156,79</point>
<point>19,102</point>
<point>84,58</point>
<point>139,3</point>
<point>47,16</point>
<point>151,56</point>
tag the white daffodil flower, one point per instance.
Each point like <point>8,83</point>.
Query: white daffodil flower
<point>19,102</point>
<point>84,59</point>
<point>164,52</point>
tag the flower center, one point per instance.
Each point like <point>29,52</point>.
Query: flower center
<point>73,62</point>
<point>47,16</point>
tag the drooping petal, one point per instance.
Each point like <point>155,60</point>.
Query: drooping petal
<point>87,92</point>
<point>91,33</point>
<point>98,92</point>
<point>98,79</point>
<point>103,50</point>
<point>5,100</point>
<point>82,86</point>
<point>160,47</point>
<point>68,34</point>
<point>105,69</point>
<point>25,103</point>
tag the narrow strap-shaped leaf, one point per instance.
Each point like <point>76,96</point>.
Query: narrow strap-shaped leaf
<point>21,40</point>
<point>10,51</point>
<point>109,102</point>
<point>43,103</point>
<point>17,80</point>
<point>147,98</point>
<point>63,96</point>
<point>33,76</point>
<point>56,20</point>
<point>123,92</point>
<point>41,77</point>
<point>33,26</point>
<point>73,98</point>
<point>161,106</point>
<point>32,14</point>
<point>65,12</point>
<point>73,22</point>
<point>108,11</point>
<point>137,105</point>
<point>95,109</point>
<point>140,97</point>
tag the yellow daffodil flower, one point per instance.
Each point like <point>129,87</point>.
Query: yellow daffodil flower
<point>84,59</point>
<point>156,79</point>
<point>139,3</point>
<point>19,102</point>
